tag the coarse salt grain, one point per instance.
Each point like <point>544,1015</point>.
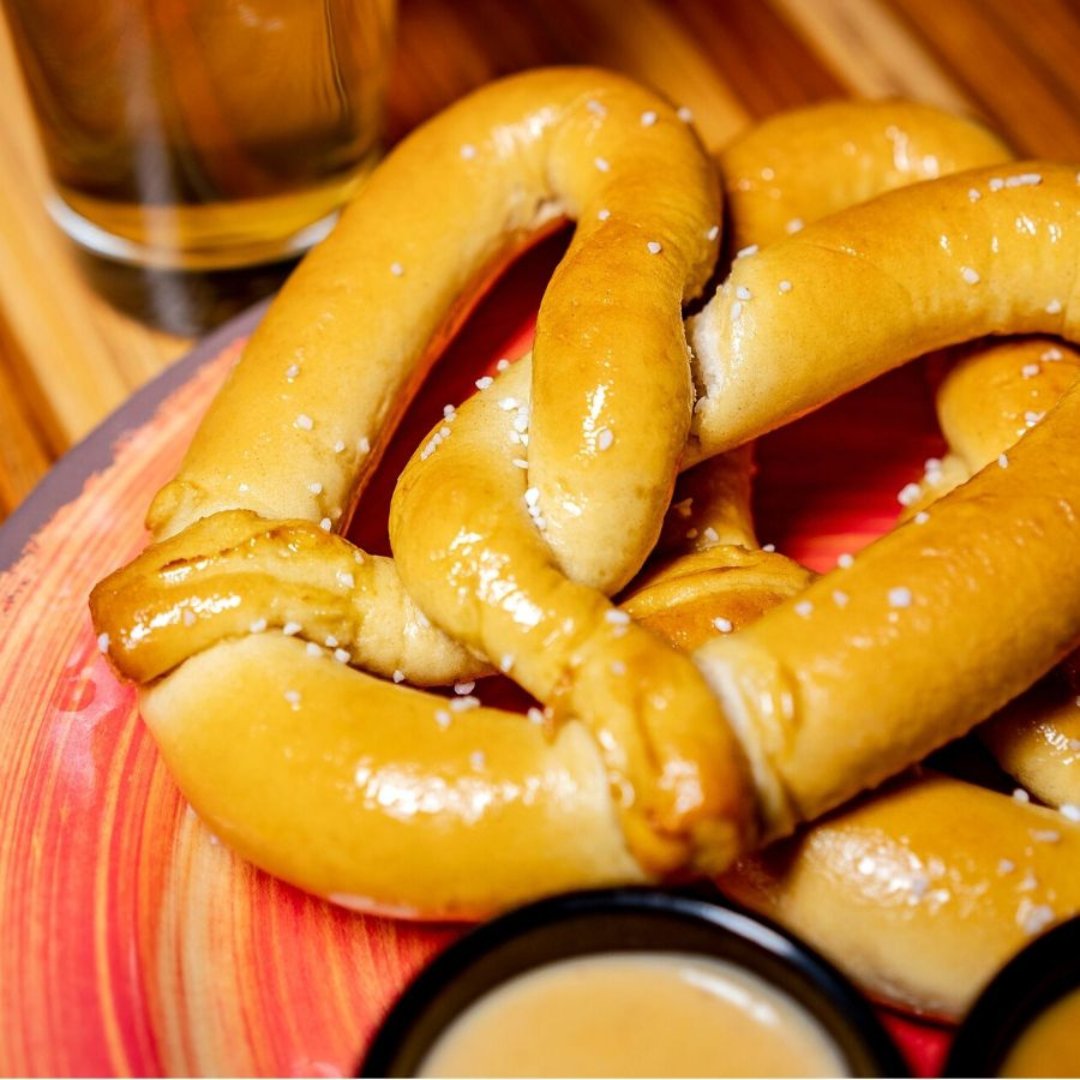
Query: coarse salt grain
<point>921,518</point>
<point>304,422</point>
<point>1054,307</point>
<point>793,226</point>
<point>363,444</point>
<point>292,371</point>
<point>443,718</point>
<point>743,253</point>
<point>784,286</point>
<point>326,524</point>
<point>723,625</point>
<point>339,446</point>
<point>462,689</point>
<point>290,629</point>
<point>900,597</point>
<point>312,649</point>
<point>840,599</point>
<point>604,214</point>
<point>535,715</point>
<point>315,488</point>
<point>845,560</point>
<point>257,627</point>
<point>742,292</point>
<point>602,164</point>
<point>1029,371</point>
<point>604,439</point>
<point>648,118</point>
<point>685,115</point>
<point>803,608</point>
<point>397,269</point>
<point>1003,461</point>
<point>468,152</point>
<point>1020,795</point>
<point>616,617</point>
<point>713,233</point>
<point>1035,918</point>
<point>655,247</point>
<point>1044,836</point>
<point>103,643</point>
<point>970,275</point>
<point>293,698</point>
<point>341,656</point>
<point>484,382</point>
<point>398,676</point>
<point>1070,811</point>
<point>908,494</point>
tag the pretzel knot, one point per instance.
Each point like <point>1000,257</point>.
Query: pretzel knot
<point>547,490</point>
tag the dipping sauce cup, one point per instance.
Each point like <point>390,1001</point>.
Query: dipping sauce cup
<point>630,982</point>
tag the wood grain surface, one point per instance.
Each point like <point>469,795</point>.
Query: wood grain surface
<point>67,359</point>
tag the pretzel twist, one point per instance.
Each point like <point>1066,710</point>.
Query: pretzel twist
<point>634,771</point>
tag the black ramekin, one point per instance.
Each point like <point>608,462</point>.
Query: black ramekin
<point>1032,981</point>
<point>624,920</point>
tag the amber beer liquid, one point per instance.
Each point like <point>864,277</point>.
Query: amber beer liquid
<point>203,135</point>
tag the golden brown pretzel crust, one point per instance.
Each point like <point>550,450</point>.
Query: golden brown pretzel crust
<point>923,892</point>
<point>800,166</point>
<point>355,329</point>
<point>633,770</point>
<point>796,682</point>
<point>990,251</point>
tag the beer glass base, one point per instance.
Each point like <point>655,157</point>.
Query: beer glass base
<point>96,240</point>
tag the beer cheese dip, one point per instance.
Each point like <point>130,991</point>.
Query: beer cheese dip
<point>636,1014</point>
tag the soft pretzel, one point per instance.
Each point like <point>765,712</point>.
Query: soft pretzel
<point>633,771</point>
<point>922,892</point>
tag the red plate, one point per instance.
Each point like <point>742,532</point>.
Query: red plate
<point>134,943</point>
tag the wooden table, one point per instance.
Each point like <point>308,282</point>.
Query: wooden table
<point>67,359</point>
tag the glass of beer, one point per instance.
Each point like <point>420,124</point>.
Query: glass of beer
<point>202,140</point>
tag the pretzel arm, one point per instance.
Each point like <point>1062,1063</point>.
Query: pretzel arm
<point>235,573</point>
<point>988,251</point>
<point>919,914</point>
<point>875,666</point>
<point>379,797</point>
<point>987,400</point>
